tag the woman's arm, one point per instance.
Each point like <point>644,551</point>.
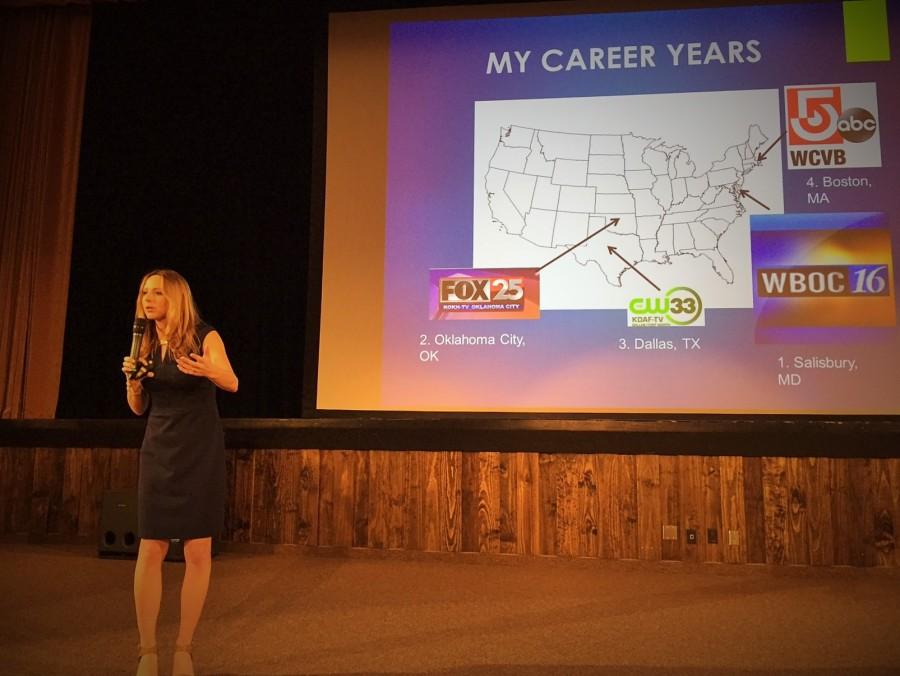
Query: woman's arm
<point>212,364</point>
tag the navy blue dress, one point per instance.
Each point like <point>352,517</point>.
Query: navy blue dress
<point>181,484</point>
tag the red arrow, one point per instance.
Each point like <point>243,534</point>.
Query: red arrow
<point>612,250</point>
<point>746,193</point>
<point>761,156</point>
<point>608,225</point>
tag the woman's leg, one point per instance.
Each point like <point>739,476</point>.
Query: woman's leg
<point>197,566</point>
<point>148,587</point>
<point>147,595</point>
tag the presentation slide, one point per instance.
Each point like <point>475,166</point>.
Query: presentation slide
<point>681,211</point>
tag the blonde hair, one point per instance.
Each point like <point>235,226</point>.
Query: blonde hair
<point>182,316</point>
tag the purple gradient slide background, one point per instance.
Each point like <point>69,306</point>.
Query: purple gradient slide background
<point>570,360</point>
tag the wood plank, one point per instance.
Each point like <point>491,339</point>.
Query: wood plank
<point>469,482</point>
<point>94,480</point>
<point>283,509</point>
<point>547,470</point>
<point>489,502</point>
<point>327,498</point>
<point>894,475</point>
<point>19,512</point>
<point>775,503</point>
<point>626,482</point>
<point>265,491</point>
<point>7,477</point>
<point>76,459</point>
<point>883,514</point>
<point>241,513</point>
<point>649,507</point>
<point>306,493</point>
<point>862,526</point>
<point>508,481</point>
<point>227,533</point>
<point>732,507</point>
<point>712,510</point>
<point>754,510</point>
<point>670,506</point>
<point>441,500</point>
<point>693,502</point>
<point>528,504</point>
<point>588,507</point>
<point>396,486</point>
<point>796,545</point>
<point>361,463</point>
<point>568,517</point>
<point>414,521</point>
<point>378,499</point>
<point>840,510</point>
<point>433,525</point>
<point>343,486</point>
<point>450,500</point>
<point>608,531</point>
<point>818,511</point>
<point>46,496</point>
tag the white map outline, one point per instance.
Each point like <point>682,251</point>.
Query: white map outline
<point>548,172</point>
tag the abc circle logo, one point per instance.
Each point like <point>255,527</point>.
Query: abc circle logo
<point>857,125</point>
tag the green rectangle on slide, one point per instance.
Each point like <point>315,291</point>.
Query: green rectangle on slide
<point>866,30</point>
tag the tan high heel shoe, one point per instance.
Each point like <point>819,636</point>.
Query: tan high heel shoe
<point>182,662</point>
<point>148,661</point>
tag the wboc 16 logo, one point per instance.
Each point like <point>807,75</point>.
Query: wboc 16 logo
<point>679,306</point>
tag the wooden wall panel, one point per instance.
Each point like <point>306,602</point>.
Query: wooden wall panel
<point>839,490</point>
<point>568,518</point>
<point>754,510</point>
<point>670,499</point>
<point>712,510</point>
<point>528,504</point>
<point>509,479</point>
<point>797,511</point>
<point>775,504</point>
<point>861,521</point>
<point>734,518</point>
<point>818,515</point>
<point>46,495</point>
<point>796,540</point>
<point>883,513</point>
<point>588,505</point>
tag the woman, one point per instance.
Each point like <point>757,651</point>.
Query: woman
<point>181,492</point>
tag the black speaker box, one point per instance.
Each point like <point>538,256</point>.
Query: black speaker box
<point>118,524</point>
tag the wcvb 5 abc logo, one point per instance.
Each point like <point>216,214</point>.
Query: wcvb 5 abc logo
<point>832,126</point>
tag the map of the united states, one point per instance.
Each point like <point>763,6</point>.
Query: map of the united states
<point>553,189</point>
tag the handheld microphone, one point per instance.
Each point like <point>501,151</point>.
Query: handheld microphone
<point>137,336</point>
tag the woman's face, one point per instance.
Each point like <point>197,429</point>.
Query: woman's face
<point>153,300</point>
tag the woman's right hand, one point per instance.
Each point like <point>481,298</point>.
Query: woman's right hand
<point>136,370</point>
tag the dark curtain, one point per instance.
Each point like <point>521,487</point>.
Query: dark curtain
<point>195,156</point>
<point>43,60</point>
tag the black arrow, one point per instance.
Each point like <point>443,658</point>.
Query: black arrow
<point>612,250</point>
<point>761,156</point>
<point>608,225</point>
<point>746,193</point>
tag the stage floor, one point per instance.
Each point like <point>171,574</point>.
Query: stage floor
<point>65,611</point>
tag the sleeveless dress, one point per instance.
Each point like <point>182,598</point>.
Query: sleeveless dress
<point>181,482</point>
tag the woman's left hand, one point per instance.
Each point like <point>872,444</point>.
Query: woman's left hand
<point>196,365</point>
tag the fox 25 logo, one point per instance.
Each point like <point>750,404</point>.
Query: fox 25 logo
<point>832,126</point>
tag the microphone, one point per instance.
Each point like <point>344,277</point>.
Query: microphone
<point>137,336</point>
